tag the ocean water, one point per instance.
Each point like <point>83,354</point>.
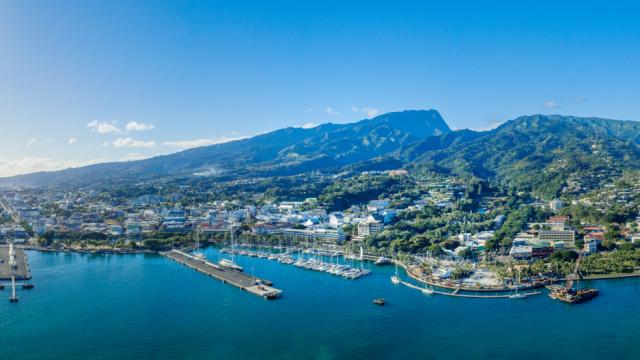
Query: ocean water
<point>147,307</point>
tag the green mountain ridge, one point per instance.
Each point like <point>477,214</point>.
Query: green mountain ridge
<point>542,152</point>
<point>549,154</point>
<point>282,152</point>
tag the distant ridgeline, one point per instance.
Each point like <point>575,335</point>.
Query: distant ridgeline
<point>547,154</point>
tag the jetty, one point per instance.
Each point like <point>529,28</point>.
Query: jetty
<point>236,278</point>
<point>456,293</point>
<point>13,263</point>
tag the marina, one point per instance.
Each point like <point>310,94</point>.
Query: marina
<point>310,259</point>
<point>236,278</point>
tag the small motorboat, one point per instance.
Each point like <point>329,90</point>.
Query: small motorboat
<point>379,302</point>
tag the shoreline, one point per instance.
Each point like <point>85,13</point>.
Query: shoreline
<point>368,257</point>
<point>506,289</point>
<point>90,251</point>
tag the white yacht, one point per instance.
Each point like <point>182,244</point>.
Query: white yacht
<point>395,279</point>
<point>230,264</point>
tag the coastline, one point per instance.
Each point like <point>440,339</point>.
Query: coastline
<point>506,289</point>
<point>91,251</point>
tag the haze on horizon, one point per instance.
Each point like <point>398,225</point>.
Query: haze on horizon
<point>87,82</point>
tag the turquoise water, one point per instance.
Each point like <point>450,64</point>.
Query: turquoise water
<point>147,307</point>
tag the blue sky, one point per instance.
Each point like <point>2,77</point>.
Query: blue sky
<point>90,81</point>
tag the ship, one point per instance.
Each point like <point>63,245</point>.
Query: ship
<point>230,264</point>
<point>567,293</point>
<point>395,279</point>
<point>570,295</point>
<point>383,261</point>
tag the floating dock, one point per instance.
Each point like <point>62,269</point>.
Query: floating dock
<point>13,263</point>
<point>236,278</point>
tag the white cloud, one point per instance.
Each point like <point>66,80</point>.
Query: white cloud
<point>551,104</point>
<point>72,141</point>
<point>309,125</point>
<point>136,126</point>
<point>492,125</point>
<point>371,112</point>
<point>31,142</point>
<point>131,143</point>
<point>33,164</point>
<point>134,156</point>
<point>188,144</point>
<point>330,111</point>
<point>102,127</point>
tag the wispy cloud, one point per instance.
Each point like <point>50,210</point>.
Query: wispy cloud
<point>134,156</point>
<point>309,125</point>
<point>188,144</point>
<point>103,127</point>
<point>132,143</point>
<point>72,141</point>
<point>551,104</point>
<point>330,111</point>
<point>371,112</point>
<point>136,126</point>
<point>34,164</point>
<point>32,141</point>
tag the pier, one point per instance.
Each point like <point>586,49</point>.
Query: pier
<point>13,263</point>
<point>236,278</point>
<point>14,266</point>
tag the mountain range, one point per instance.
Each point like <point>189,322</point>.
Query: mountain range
<point>531,151</point>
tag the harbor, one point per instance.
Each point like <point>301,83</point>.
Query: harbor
<point>236,278</point>
<point>310,259</point>
<point>165,301</point>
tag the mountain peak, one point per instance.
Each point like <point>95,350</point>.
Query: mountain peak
<point>420,123</point>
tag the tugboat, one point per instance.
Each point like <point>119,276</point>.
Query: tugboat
<point>379,302</point>
<point>570,295</point>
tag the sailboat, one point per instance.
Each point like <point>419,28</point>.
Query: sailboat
<point>197,253</point>
<point>517,295</point>
<point>231,263</point>
<point>395,279</point>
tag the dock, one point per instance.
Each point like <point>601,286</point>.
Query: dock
<point>236,278</point>
<point>13,263</point>
<point>457,294</point>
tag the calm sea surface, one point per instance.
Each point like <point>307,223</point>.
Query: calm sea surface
<point>147,307</point>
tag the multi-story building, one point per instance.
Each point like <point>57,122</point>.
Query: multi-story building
<point>566,236</point>
<point>368,228</point>
<point>326,235</point>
